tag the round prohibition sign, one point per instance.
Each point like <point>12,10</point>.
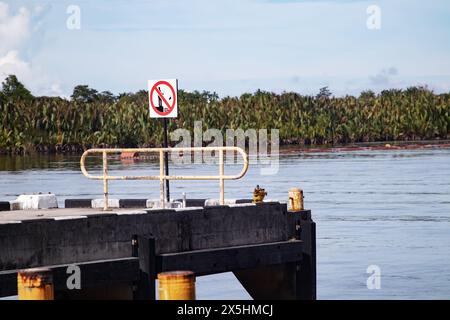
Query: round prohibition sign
<point>169,106</point>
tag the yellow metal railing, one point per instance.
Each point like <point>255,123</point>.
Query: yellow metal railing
<point>162,177</point>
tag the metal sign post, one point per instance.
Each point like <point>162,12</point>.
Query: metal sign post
<point>164,104</point>
<point>166,160</point>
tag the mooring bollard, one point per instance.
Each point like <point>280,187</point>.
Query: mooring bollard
<point>35,284</point>
<point>258,194</point>
<point>176,285</point>
<point>295,199</point>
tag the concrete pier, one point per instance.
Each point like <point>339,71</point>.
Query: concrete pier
<point>255,241</point>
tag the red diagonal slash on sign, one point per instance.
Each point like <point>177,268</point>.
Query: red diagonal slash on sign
<point>169,106</point>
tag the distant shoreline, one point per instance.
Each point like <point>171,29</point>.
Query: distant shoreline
<point>369,146</point>
<point>284,148</point>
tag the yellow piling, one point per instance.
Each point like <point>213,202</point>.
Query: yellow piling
<point>35,284</point>
<point>176,285</point>
<point>295,199</point>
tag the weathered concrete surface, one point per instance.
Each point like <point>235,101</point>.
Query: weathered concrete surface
<point>25,215</point>
<point>29,240</point>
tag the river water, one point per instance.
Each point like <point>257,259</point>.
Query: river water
<point>389,209</point>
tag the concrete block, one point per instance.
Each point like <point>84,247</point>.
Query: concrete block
<point>216,202</point>
<point>152,203</point>
<point>99,203</point>
<point>37,201</point>
<point>15,205</point>
<point>155,204</point>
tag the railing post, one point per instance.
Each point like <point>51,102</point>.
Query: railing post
<point>221,180</point>
<point>161,179</point>
<point>105,181</point>
<point>163,174</point>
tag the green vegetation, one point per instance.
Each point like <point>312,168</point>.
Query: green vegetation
<point>89,118</point>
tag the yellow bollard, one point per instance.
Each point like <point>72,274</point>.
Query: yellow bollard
<point>259,194</point>
<point>295,199</point>
<point>176,285</point>
<point>35,284</point>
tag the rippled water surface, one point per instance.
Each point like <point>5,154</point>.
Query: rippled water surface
<point>384,208</point>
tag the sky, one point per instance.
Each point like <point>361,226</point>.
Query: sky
<point>227,46</point>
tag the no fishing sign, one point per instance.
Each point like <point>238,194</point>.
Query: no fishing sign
<point>163,98</point>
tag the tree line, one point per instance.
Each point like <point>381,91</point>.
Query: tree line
<point>99,119</point>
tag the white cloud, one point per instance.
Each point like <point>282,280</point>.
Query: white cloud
<point>12,64</point>
<point>15,31</point>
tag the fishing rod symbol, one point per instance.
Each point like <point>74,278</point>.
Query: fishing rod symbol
<point>161,107</point>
